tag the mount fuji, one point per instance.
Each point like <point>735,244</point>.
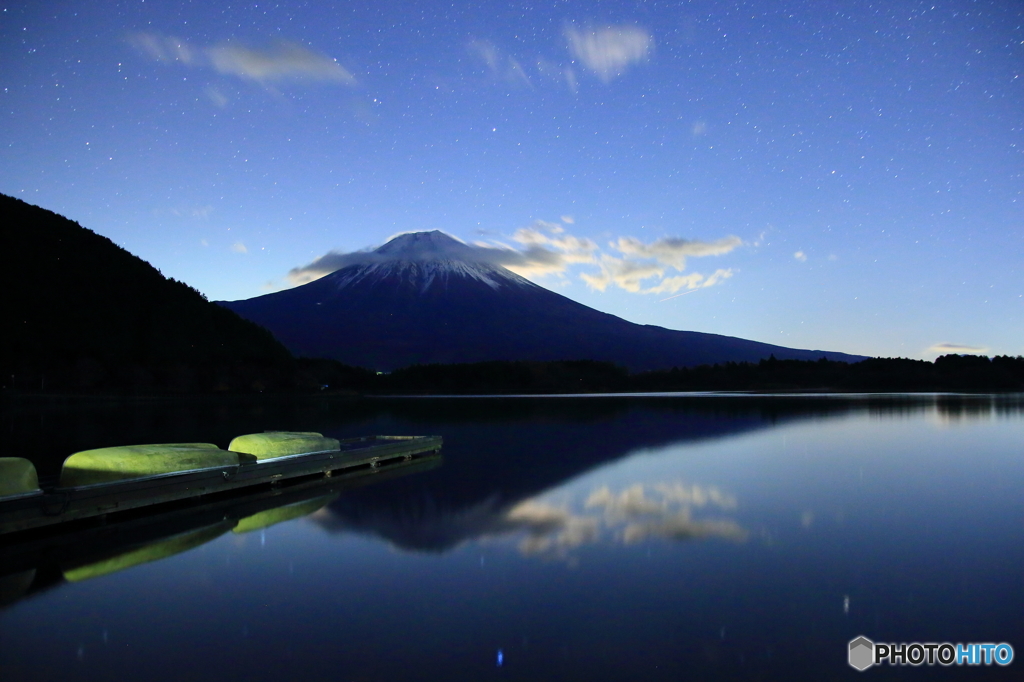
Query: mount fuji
<point>426,297</point>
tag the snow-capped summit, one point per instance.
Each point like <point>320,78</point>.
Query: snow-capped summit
<point>426,259</point>
<point>426,297</point>
<point>433,245</point>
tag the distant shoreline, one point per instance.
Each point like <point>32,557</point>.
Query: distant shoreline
<point>948,375</point>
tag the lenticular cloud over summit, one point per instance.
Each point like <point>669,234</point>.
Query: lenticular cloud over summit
<point>423,247</point>
<point>545,249</point>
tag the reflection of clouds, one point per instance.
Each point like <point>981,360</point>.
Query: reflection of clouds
<point>681,527</point>
<point>551,530</point>
<point>664,511</point>
<point>635,499</point>
<point>638,512</point>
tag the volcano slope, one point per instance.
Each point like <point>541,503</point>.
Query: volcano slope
<point>427,298</point>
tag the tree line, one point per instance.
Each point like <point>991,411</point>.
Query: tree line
<point>954,373</point>
<point>946,373</point>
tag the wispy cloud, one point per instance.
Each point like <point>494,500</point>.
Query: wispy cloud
<point>642,262</point>
<point>278,62</point>
<point>543,252</point>
<point>609,51</point>
<point>800,256</point>
<point>550,250</point>
<point>546,248</point>
<point>957,348</point>
<point>622,272</point>
<point>283,60</point>
<point>192,212</point>
<point>198,212</point>
<point>499,65</point>
<point>239,247</point>
<point>218,98</point>
<point>570,80</point>
<point>673,251</point>
<point>672,285</point>
<point>488,52</point>
<point>166,48</point>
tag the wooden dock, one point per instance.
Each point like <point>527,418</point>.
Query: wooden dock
<point>35,561</point>
<point>354,457</point>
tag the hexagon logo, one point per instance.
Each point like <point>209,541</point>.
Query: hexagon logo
<point>862,653</point>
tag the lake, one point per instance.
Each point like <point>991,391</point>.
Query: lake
<point>700,537</point>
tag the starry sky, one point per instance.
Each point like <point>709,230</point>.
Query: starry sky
<point>833,175</point>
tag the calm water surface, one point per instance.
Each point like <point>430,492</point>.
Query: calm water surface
<point>704,538</point>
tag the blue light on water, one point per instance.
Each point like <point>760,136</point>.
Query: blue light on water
<point>501,657</point>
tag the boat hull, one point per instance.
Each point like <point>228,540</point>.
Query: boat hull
<point>65,504</point>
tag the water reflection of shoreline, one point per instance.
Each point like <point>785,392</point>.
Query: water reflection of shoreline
<point>503,453</point>
<point>45,430</point>
<point>495,480</point>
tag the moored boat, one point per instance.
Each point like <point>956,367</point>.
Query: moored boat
<point>119,479</point>
<point>18,478</point>
<point>35,561</point>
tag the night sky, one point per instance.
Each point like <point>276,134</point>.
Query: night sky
<point>836,175</point>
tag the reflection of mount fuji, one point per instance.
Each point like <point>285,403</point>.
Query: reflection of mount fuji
<point>501,452</point>
<point>495,459</point>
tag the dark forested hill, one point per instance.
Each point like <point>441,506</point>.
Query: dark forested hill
<point>80,312</point>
